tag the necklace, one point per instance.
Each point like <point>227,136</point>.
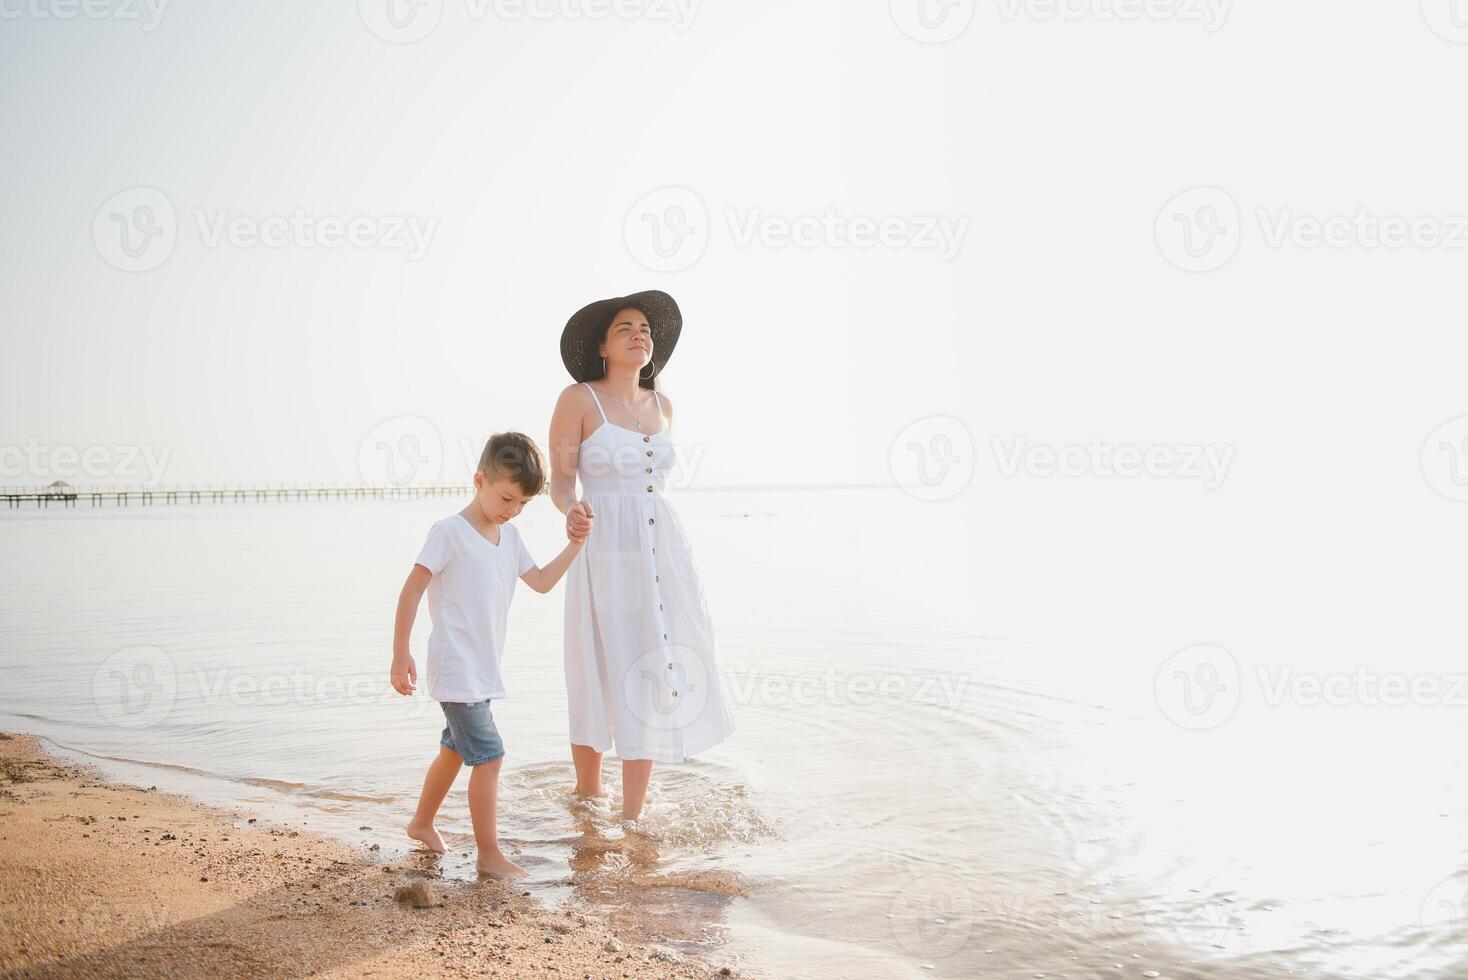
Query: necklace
<point>636,414</point>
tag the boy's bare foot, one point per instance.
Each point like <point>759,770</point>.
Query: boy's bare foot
<point>499,866</point>
<point>428,837</point>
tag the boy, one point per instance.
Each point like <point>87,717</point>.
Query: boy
<point>468,566</point>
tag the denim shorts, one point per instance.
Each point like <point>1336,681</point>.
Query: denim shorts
<point>471,732</point>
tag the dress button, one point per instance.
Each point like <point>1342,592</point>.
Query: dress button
<point>660,605</point>
<point>649,489</point>
<point>647,438</point>
<point>650,520</point>
<point>665,636</point>
<point>649,452</point>
<point>675,694</point>
<point>647,470</point>
<point>670,666</point>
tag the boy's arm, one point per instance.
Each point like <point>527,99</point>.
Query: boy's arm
<point>404,670</point>
<point>542,580</point>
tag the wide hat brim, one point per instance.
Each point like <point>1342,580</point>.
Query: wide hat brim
<point>586,329</point>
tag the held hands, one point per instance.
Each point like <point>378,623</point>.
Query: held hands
<point>404,674</point>
<point>578,521</point>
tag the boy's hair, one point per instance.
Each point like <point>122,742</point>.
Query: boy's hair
<point>514,456</point>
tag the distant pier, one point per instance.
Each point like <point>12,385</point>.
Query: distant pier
<point>67,496</point>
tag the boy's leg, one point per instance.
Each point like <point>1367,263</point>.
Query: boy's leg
<point>635,776</point>
<point>588,770</point>
<point>436,785</point>
<point>483,798</point>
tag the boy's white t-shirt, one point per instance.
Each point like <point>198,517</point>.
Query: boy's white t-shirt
<point>469,601</point>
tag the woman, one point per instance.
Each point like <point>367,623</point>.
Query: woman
<point>641,673</point>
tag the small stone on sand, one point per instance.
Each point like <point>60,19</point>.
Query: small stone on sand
<point>419,895</point>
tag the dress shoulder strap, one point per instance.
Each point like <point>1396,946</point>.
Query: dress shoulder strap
<point>660,403</point>
<point>597,400</point>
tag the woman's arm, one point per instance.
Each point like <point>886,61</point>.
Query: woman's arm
<point>565,454</point>
<point>565,448</point>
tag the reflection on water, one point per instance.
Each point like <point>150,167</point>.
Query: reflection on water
<point>911,791</point>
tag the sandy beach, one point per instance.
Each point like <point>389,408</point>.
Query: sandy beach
<point>103,879</point>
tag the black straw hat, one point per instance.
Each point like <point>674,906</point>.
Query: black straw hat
<point>588,327</point>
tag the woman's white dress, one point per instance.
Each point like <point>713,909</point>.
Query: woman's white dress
<point>641,672</point>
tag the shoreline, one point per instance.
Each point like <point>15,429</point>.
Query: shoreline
<point>100,877</point>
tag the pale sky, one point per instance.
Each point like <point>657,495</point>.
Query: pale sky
<point>1052,148</point>
<point>523,145</point>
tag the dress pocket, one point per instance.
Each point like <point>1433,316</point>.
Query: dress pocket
<point>684,566</point>
<point>617,581</point>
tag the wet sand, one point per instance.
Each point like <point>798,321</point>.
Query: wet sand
<point>103,879</point>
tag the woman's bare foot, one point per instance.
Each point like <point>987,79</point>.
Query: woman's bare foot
<point>499,866</point>
<point>591,802</point>
<point>428,837</point>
